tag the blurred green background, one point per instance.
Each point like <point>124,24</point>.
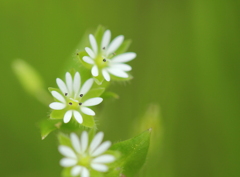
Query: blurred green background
<point>188,63</point>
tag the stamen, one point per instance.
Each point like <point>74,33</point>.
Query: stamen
<point>104,60</point>
<point>77,54</point>
<point>81,95</point>
<point>70,103</point>
<point>66,94</point>
<point>103,48</point>
<point>80,104</point>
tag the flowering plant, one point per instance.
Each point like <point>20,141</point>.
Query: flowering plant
<point>73,109</point>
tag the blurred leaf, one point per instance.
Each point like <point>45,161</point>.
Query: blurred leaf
<point>30,80</point>
<point>48,125</point>
<point>133,153</point>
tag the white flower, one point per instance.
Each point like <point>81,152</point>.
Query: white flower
<point>85,155</point>
<point>71,98</point>
<point>103,58</point>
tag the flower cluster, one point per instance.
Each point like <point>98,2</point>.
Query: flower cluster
<point>72,99</point>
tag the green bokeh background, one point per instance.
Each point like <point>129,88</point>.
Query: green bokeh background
<point>188,63</point>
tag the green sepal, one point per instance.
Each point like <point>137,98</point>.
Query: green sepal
<point>81,55</point>
<point>99,35</point>
<point>47,126</point>
<point>95,92</point>
<point>123,47</point>
<point>109,95</point>
<point>133,153</point>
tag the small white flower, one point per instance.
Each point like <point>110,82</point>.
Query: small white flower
<point>103,58</point>
<point>85,155</point>
<point>71,97</point>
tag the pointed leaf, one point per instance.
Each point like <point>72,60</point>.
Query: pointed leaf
<point>133,153</point>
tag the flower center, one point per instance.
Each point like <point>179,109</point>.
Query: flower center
<point>73,104</point>
<point>101,62</point>
<point>84,160</point>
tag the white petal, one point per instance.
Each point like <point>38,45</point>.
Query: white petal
<point>62,86</point>
<point>96,141</point>
<point>86,86</point>
<point>105,75</point>
<point>102,148</point>
<point>106,39</point>
<point>76,83</point>
<point>69,82</point>
<point>58,96</point>
<point>123,67</point>
<point>93,43</point>
<point>85,172</point>
<point>67,151</point>
<point>57,106</point>
<point>67,116</point>
<point>99,167</point>
<point>125,57</point>
<point>117,72</point>
<point>76,170</point>
<point>75,142</point>
<point>115,44</point>
<point>94,70</point>
<point>84,141</point>
<point>87,111</point>
<point>90,52</point>
<point>92,101</point>
<point>104,159</point>
<point>66,162</point>
<point>88,60</point>
<point>78,116</point>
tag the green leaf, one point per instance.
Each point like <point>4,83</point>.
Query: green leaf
<point>133,153</point>
<point>123,47</point>
<point>47,126</point>
<point>31,80</point>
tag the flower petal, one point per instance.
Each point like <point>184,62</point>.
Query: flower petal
<point>57,106</point>
<point>104,159</point>
<point>93,43</point>
<point>92,101</point>
<point>115,44</point>
<point>94,70</point>
<point>96,141</point>
<point>85,172</point>
<point>90,52</point>
<point>62,86</point>
<point>99,167</point>
<point>105,75</point>
<point>67,116</point>
<point>102,148</point>
<point>86,86</point>
<point>76,170</point>
<point>69,82</point>
<point>67,151</point>
<point>84,141</point>
<point>123,67</point>
<point>106,39</point>
<point>66,162</point>
<point>125,57</point>
<point>87,111</point>
<point>58,96</point>
<point>88,60</point>
<point>76,83</point>
<point>75,142</point>
<point>78,116</point>
<point>117,72</point>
